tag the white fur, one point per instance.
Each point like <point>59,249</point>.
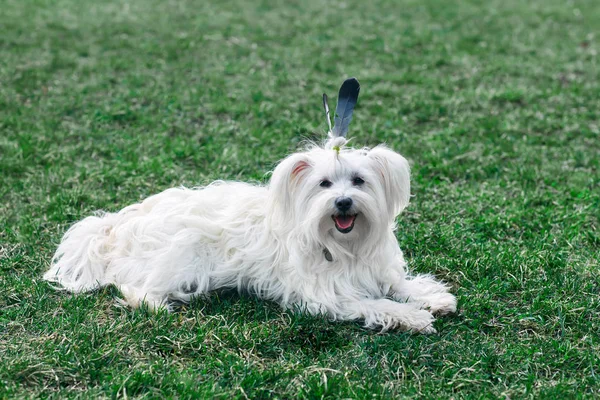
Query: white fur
<point>269,241</point>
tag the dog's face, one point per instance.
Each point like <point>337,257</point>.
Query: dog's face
<point>351,196</point>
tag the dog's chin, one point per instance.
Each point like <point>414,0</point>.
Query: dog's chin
<point>344,223</point>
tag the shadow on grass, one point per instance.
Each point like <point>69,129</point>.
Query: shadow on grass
<point>243,322</point>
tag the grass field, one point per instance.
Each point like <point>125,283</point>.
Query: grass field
<point>495,103</point>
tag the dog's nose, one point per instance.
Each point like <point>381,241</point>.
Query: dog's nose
<point>343,203</point>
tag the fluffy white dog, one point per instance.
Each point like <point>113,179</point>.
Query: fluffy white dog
<point>319,237</point>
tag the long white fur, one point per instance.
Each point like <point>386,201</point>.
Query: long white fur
<point>267,240</point>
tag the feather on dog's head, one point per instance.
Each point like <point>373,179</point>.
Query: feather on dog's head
<point>332,195</point>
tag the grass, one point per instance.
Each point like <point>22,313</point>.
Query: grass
<point>495,103</point>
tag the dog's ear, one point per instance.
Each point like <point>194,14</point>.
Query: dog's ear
<point>394,172</point>
<point>291,170</point>
<point>285,181</point>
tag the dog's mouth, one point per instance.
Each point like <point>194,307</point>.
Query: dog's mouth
<point>344,223</point>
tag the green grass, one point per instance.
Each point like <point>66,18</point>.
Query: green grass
<point>495,103</point>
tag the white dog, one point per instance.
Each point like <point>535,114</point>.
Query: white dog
<point>319,237</point>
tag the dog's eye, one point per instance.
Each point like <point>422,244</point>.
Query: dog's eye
<point>357,181</point>
<point>325,183</point>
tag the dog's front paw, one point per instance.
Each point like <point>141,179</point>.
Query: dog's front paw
<point>386,314</point>
<point>440,303</point>
<point>408,317</point>
<point>420,321</point>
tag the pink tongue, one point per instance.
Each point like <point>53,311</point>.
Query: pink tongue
<point>344,222</point>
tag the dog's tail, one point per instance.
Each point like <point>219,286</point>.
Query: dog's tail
<point>80,261</point>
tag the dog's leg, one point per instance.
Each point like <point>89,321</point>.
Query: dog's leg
<point>381,313</point>
<point>389,314</point>
<point>427,292</point>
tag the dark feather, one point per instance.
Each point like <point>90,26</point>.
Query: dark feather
<point>346,101</point>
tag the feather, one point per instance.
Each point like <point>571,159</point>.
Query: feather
<point>326,111</point>
<point>347,99</point>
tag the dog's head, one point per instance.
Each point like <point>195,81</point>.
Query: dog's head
<point>342,194</point>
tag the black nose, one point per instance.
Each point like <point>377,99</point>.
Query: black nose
<point>343,203</point>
